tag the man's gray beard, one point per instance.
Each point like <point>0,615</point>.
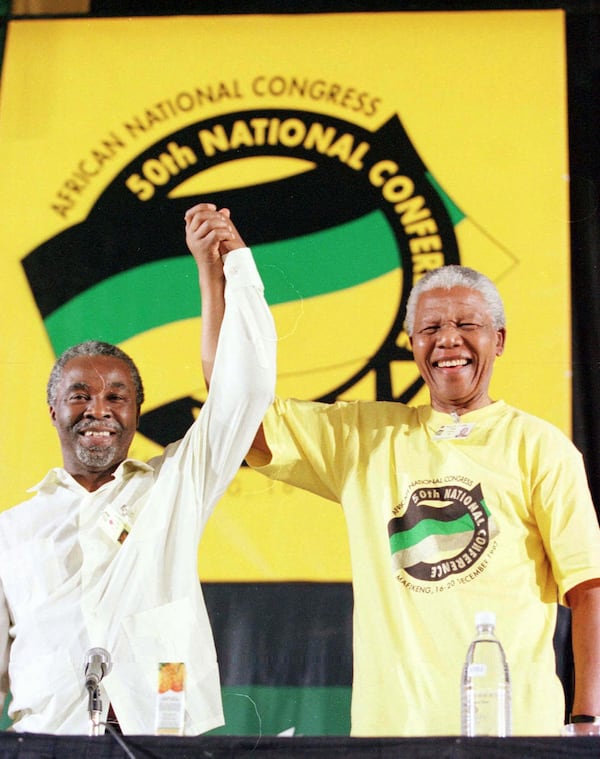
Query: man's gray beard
<point>96,458</point>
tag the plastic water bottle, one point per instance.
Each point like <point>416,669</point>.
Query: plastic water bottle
<point>485,686</point>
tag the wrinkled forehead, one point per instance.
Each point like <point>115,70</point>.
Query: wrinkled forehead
<point>96,373</point>
<point>456,302</point>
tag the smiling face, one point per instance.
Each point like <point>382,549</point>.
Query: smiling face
<point>95,414</point>
<point>455,345</point>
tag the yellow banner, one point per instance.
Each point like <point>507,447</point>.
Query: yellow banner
<point>355,151</point>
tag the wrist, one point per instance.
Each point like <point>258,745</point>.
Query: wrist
<point>593,719</point>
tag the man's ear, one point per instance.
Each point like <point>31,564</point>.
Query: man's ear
<point>52,413</point>
<point>500,340</point>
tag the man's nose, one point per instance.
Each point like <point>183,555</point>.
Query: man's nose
<point>448,334</point>
<point>98,407</point>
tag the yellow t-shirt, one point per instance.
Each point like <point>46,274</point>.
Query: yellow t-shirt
<point>445,518</point>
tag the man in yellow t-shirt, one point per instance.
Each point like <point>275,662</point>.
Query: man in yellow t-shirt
<point>464,505</point>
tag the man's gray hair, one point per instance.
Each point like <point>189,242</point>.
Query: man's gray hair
<point>450,276</point>
<point>92,348</point>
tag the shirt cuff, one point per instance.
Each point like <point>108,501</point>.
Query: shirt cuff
<point>240,269</point>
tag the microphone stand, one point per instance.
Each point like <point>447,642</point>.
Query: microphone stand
<point>94,708</point>
<point>97,663</point>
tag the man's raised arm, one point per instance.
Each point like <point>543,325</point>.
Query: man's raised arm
<point>238,335</point>
<point>209,235</point>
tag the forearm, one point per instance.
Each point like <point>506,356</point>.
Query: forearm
<point>210,236</point>
<point>212,290</point>
<point>585,606</point>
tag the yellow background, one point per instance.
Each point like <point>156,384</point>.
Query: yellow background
<point>482,96</point>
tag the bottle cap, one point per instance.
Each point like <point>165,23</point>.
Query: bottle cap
<point>485,618</point>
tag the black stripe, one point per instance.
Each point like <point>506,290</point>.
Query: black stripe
<point>122,233</point>
<point>282,633</point>
<point>247,7</point>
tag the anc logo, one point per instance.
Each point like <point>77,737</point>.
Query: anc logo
<point>445,531</point>
<point>341,220</point>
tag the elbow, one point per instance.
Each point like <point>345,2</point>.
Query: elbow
<point>259,392</point>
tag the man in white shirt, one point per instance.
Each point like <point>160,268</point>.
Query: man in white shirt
<point>105,554</point>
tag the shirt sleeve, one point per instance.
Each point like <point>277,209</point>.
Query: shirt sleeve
<point>566,518</point>
<point>243,380</point>
<point>4,647</point>
<point>305,438</point>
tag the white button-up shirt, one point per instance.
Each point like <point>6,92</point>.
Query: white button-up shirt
<point>69,581</point>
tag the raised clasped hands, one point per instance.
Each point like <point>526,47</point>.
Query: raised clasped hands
<point>210,233</point>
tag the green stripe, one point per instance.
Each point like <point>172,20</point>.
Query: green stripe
<point>5,722</point>
<point>328,261</point>
<point>400,541</point>
<point>433,546</point>
<point>162,292</point>
<point>454,212</point>
<point>267,710</point>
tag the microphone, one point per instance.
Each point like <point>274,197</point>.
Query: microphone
<point>97,664</point>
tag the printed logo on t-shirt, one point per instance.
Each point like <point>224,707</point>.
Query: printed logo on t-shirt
<point>446,532</point>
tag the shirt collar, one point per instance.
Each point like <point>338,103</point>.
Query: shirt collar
<point>435,419</point>
<point>59,476</point>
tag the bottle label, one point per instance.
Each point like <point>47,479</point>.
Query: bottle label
<point>170,699</point>
<point>477,670</point>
